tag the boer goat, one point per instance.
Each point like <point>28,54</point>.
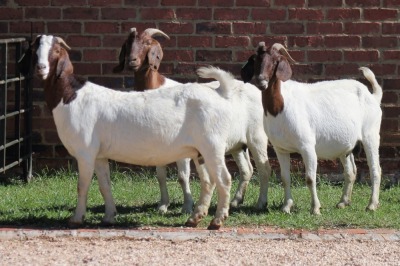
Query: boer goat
<point>143,54</point>
<point>149,128</point>
<point>321,120</point>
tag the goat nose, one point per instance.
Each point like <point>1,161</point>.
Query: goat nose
<point>41,66</point>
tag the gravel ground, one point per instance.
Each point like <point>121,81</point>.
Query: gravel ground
<point>211,250</point>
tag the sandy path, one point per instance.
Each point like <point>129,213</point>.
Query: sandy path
<point>212,250</point>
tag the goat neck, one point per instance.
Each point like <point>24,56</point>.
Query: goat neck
<point>272,98</point>
<point>148,79</point>
<point>61,86</point>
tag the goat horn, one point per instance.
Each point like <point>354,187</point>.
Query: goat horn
<point>63,43</point>
<point>279,47</point>
<point>154,32</point>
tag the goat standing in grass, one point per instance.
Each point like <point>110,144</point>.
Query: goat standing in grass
<point>148,128</point>
<point>321,120</point>
<point>143,54</point>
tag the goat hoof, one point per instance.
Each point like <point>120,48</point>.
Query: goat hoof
<point>371,207</point>
<point>342,205</point>
<point>215,224</point>
<point>236,203</point>
<point>191,223</point>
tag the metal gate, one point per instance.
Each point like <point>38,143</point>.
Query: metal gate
<point>15,110</point>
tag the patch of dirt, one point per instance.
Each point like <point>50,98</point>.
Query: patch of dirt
<point>212,250</point>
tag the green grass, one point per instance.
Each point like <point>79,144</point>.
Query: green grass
<point>49,200</point>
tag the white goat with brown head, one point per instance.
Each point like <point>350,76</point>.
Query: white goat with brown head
<point>150,128</point>
<point>321,120</point>
<point>143,54</point>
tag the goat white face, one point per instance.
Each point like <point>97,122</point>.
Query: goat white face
<point>42,67</point>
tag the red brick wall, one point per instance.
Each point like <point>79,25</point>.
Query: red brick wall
<point>329,38</point>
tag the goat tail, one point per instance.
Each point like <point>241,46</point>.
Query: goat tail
<point>225,78</point>
<point>376,88</point>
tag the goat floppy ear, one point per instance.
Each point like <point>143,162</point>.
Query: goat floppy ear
<point>122,56</point>
<point>64,65</point>
<point>247,71</point>
<point>155,56</point>
<point>284,71</point>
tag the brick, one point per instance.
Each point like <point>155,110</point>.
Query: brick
<point>306,41</point>
<point>83,41</point>
<point>384,69</point>
<point>243,56</point>
<point>391,55</point>
<point>268,14</point>
<point>230,41</point>
<point>25,27</point>
<point>178,2</point>
<point>11,13</point>
<point>341,70</point>
<point>83,68</point>
<point>29,2</point>
<point>362,28</point>
<point>95,55</point>
<point>4,27</point>
<point>324,28</point>
<point>213,27</point>
<point>195,41</point>
<point>324,55</point>
<point>389,124</point>
<point>308,69</point>
<point>299,3</point>
<point>64,27</point>
<point>254,3</point>
<point>287,28</point>
<point>42,13</point>
<point>140,26</point>
<point>178,55</point>
<point>269,40</point>
<point>249,28</point>
<point>212,56</point>
<point>81,13</point>
<point>391,111</point>
<point>306,14</point>
<point>391,84</point>
<point>156,13</point>
<point>70,3</point>
<point>118,13</point>
<point>109,82</point>
<point>343,13</point>
<point>379,41</point>
<point>177,27</point>
<point>105,2</point>
<point>361,56</point>
<point>363,3</point>
<point>231,14</point>
<point>324,3</point>
<point>391,28</point>
<point>380,14</point>
<point>101,27</point>
<point>390,97</point>
<point>51,137</point>
<point>141,3</point>
<point>219,3</point>
<point>342,41</point>
<point>194,13</point>
<point>391,3</point>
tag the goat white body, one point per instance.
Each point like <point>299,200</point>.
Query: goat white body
<point>326,120</point>
<point>330,115</point>
<point>144,128</point>
<point>245,129</point>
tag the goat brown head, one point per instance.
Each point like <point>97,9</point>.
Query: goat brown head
<point>267,62</point>
<point>46,55</point>
<point>141,51</point>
